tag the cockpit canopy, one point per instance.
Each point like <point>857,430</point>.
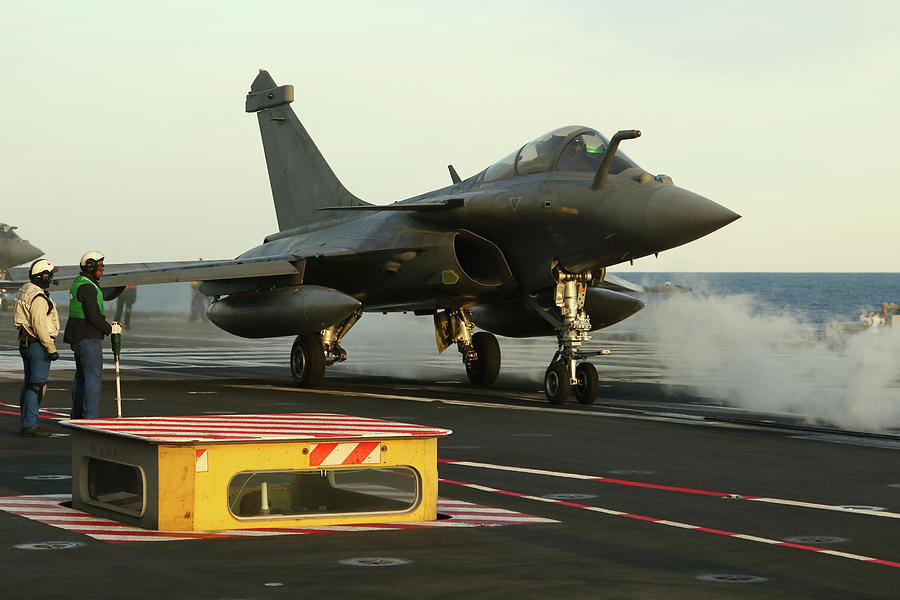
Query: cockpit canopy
<point>571,148</point>
<point>7,233</point>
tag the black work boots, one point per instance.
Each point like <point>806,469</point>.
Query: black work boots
<point>34,432</point>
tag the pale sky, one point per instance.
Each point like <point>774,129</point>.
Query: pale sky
<point>123,126</point>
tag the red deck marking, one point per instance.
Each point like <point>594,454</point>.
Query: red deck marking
<point>643,518</point>
<point>511,493</point>
<point>667,523</point>
<point>716,531</point>
<point>801,547</point>
<point>42,412</point>
<point>887,563</point>
<point>442,480</point>
<point>657,486</point>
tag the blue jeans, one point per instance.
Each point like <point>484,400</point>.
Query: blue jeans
<point>87,384</point>
<point>37,369</point>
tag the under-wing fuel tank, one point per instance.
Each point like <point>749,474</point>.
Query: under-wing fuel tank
<point>515,319</point>
<point>284,311</point>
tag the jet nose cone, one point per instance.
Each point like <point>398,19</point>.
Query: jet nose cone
<point>676,216</point>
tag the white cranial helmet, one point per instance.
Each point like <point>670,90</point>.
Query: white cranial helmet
<point>91,258</point>
<point>41,266</point>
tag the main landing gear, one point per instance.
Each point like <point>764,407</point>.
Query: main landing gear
<point>480,351</point>
<point>573,327</point>
<point>312,352</point>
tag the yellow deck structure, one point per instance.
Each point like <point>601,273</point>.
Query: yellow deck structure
<point>201,473</point>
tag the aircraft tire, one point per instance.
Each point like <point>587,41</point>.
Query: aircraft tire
<point>307,361</point>
<point>484,372</point>
<point>556,383</point>
<point>588,383</point>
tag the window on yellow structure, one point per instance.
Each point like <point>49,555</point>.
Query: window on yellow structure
<point>273,494</point>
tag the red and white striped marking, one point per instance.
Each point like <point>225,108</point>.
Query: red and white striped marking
<point>47,509</point>
<point>224,428</point>
<point>657,521</point>
<point>360,453</point>
<point>201,460</point>
<point>670,488</point>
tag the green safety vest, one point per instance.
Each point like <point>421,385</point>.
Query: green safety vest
<point>75,308</point>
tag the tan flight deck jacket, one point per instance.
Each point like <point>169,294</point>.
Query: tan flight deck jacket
<point>36,314</point>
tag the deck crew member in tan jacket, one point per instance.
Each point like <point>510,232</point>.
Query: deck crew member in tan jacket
<point>38,324</point>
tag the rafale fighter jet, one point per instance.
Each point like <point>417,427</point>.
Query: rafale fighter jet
<point>519,249</point>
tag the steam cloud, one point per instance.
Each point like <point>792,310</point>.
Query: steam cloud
<point>736,350</point>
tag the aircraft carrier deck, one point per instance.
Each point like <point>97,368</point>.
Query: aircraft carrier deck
<point>645,494</point>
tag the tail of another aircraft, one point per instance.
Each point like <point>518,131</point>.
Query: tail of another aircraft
<point>301,180</point>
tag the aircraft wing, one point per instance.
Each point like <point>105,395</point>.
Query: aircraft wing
<point>427,204</point>
<point>117,275</point>
<point>617,284</point>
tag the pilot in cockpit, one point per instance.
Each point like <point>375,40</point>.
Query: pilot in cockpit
<point>575,157</point>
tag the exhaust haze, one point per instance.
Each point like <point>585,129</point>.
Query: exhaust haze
<point>737,350</point>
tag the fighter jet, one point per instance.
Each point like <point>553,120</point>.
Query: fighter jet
<point>13,251</point>
<point>519,249</point>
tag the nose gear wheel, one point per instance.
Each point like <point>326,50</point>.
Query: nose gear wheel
<point>588,383</point>
<point>556,383</point>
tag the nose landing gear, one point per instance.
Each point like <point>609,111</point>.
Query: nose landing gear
<point>564,375</point>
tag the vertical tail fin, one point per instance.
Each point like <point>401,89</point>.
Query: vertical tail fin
<point>301,180</point>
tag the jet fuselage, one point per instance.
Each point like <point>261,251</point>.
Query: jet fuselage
<point>502,238</point>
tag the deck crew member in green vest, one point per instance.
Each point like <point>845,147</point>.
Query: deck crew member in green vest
<point>85,331</point>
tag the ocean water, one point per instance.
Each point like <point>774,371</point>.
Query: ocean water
<point>814,298</point>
